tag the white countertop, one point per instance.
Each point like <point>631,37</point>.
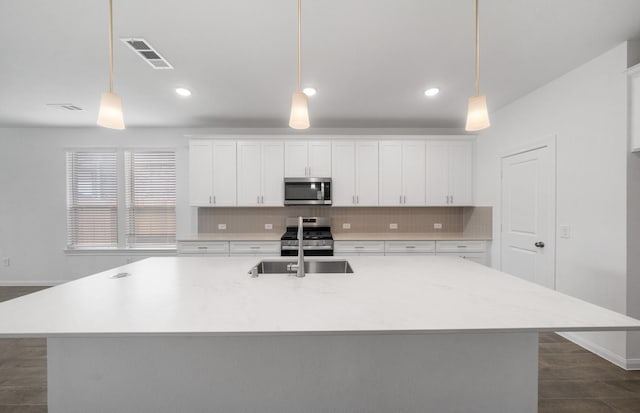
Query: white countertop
<point>408,236</point>
<point>212,296</point>
<point>222,236</point>
<point>215,296</point>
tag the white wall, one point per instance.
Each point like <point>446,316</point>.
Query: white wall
<point>33,204</point>
<point>586,111</point>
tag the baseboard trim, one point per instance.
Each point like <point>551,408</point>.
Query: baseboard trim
<point>605,353</point>
<point>36,283</point>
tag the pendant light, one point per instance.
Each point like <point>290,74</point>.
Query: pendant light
<point>299,103</point>
<point>477,115</point>
<point>110,114</point>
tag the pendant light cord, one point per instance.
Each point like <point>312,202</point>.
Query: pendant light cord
<point>110,46</point>
<point>477,52</point>
<point>299,43</point>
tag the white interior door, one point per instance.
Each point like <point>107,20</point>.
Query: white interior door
<point>528,215</point>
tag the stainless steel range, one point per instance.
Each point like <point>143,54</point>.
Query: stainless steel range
<point>317,238</point>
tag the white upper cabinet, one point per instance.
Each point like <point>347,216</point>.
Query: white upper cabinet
<point>355,173</point>
<point>212,173</point>
<point>449,173</point>
<point>260,173</point>
<point>402,173</point>
<point>307,158</point>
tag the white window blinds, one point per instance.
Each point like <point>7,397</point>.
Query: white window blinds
<point>150,195</point>
<point>92,200</point>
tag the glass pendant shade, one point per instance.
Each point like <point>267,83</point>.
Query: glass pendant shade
<point>299,111</point>
<point>110,115</point>
<point>477,115</point>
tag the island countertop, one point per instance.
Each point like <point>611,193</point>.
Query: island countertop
<point>216,296</point>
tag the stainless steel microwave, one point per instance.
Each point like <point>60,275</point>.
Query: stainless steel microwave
<point>307,191</point>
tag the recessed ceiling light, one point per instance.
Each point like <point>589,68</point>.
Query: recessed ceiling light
<point>183,92</point>
<point>309,91</point>
<point>431,91</point>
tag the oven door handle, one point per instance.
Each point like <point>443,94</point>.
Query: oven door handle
<point>308,247</point>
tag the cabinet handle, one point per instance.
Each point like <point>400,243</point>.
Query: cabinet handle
<point>255,248</point>
<point>357,199</point>
<point>214,199</point>
<point>353,199</point>
<point>209,198</point>
<point>400,198</point>
<point>410,246</point>
<point>203,248</point>
<point>462,246</point>
<point>258,199</point>
<point>405,199</point>
<point>452,199</point>
<point>262,199</point>
<point>358,246</point>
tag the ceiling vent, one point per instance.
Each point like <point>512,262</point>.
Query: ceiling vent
<point>64,106</point>
<point>150,55</point>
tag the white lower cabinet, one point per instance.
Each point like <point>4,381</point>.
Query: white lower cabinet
<point>358,248</point>
<point>409,247</point>
<point>471,250</point>
<point>254,248</point>
<point>203,248</point>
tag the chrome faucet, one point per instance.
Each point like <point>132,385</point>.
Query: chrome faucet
<point>299,267</point>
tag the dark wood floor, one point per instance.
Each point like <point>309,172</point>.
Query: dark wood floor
<point>571,380</point>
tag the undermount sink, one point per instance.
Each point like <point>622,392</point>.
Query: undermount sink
<point>310,267</point>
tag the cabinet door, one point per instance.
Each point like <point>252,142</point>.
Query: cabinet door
<point>295,159</point>
<point>391,191</point>
<point>224,173</point>
<point>367,173</point>
<point>343,169</point>
<point>249,176</point>
<point>461,173</point>
<point>437,173</point>
<point>272,174</point>
<point>200,173</point>
<point>414,173</point>
<point>320,159</point>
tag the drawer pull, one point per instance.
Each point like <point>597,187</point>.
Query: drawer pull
<point>410,246</point>
<point>255,248</point>
<point>358,246</point>
<point>462,246</point>
<point>203,248</point>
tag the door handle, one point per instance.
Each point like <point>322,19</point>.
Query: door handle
<point>539,244</point>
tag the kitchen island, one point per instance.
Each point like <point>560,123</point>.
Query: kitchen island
<point>400,334</point>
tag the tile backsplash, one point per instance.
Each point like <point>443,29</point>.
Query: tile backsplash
<point>469,220</point>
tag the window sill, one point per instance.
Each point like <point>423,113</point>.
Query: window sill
<point>122,251</point>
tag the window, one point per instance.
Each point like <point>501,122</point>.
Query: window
<point>92,200</point>
<point>150,188</point>
<point>121,199</point>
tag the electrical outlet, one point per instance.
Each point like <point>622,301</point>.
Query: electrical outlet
<point>346,225</point>
<point>222,226</point>
<point>393,226</point>
<point>437,225</point>
<point>268,226</point>
<point>565,231</point>
<point>6,262</point>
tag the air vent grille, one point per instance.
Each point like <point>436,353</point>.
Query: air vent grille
<point>147,53</point>
<point>64,106</point>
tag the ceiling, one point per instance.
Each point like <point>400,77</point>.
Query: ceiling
<point>370,60</point>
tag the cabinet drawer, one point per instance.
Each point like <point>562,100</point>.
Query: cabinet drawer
<point>203,247</point>
<point>417,247</point>
<point>479,257</point>
<point>357,247</point>
<point>255,247</point>
<point>461,246</point>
